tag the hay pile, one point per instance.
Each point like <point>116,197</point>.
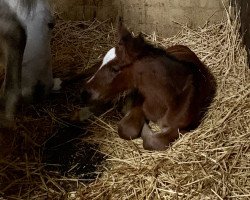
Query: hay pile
<point>212,162</point>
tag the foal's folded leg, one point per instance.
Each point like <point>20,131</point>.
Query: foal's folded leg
<point>158,141</point>
<point>130,126</point>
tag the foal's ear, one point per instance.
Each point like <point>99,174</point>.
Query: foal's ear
<point>123,34</point>
<point>140,38</point>
<point>139,43</point>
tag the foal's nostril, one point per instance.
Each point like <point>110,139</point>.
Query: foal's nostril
<point>85,96</point>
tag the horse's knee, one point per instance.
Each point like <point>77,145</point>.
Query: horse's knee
<point>131,125</point>
<point>128,131</point>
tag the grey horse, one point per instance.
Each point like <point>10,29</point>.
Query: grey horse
<point>25,32</point>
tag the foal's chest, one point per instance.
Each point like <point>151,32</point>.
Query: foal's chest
<point>153,108</point>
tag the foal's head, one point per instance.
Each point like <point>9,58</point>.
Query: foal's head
<point>115,73</point>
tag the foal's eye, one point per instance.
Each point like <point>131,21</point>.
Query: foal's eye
<point>114,69</point>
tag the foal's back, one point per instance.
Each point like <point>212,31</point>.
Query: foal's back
<point>176,85</point>
<point>203,80</point>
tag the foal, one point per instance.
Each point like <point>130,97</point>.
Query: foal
<point>174,88</point>
<point>25,28</point>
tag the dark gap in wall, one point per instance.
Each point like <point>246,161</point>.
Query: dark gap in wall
<point>244,7</point>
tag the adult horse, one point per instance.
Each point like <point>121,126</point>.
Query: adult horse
<point>174,88</point>
<point>25,27</point>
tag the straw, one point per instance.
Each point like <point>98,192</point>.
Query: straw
<point>211,162</point>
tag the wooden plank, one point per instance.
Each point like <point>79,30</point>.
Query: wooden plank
<point>244,7</point>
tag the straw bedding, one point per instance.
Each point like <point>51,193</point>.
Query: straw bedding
<point>212,162</point>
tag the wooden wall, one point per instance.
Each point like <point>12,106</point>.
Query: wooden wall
<point>86,9</point>
<point>160,16</point>
<point>244,7</point>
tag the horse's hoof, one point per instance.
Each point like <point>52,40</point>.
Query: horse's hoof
<point>128,133</point>
<point>155,145</point>
<point>154,141</point>
<point>130,126</point>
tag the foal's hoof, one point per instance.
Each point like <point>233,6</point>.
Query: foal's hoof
<point>7,137</point>
<point>154,141</point>
<point>129,128</point>
<point>128,132</point>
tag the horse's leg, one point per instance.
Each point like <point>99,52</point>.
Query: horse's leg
<point>3,60</point>
<point>14,38</point>
<point>175,119</point>
<point>130,126</point>
<point>12,83</point>
<point>179,116</point>
<point>158,141</point>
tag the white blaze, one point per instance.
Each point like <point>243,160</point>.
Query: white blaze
<point>110,55</point>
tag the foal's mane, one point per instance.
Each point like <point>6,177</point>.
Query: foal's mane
<point>148,49</point>
<point>151,50</point>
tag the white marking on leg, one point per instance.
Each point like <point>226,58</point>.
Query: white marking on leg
<point>57,84</point>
